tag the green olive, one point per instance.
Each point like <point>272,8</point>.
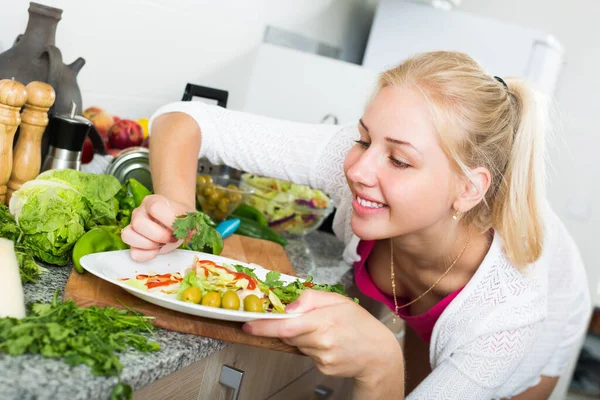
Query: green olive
<point>235,197</point>
<point>212,299</point>
<point>223,204</point>
<point>213,198</point>
<point>208,190</point>
<point>193,294</point>
<point>252,303</point>
<point>230,301</point>
<point>201,179</point>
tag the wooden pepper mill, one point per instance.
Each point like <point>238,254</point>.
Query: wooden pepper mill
<point>27,158</point>
<point>12,97</point>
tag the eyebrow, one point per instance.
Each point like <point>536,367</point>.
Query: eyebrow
<point>392,140</point>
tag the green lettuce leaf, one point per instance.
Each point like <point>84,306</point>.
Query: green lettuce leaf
<point>52,217</point>
<point>98,190</point>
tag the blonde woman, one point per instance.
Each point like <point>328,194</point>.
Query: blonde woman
<point>440,201</point>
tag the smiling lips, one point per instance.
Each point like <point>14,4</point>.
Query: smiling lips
<point>369,204</point>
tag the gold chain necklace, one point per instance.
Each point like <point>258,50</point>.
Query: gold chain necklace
<point>432,286</point>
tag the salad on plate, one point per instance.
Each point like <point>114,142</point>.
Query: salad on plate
<point>228,286</point>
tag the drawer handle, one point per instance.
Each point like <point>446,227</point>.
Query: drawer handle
<point>323,392</point>
<point>231,378</point>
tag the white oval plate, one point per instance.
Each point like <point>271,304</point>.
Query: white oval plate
<point>114,265</point>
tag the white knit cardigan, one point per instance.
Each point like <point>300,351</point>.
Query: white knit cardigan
<point>504,329</point>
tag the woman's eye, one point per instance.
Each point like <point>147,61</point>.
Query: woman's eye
<point>398,163</point>
<point>362,143</point>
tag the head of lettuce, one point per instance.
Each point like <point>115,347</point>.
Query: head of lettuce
<point>56,208</point>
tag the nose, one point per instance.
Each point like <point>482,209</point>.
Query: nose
<point>364,170</point>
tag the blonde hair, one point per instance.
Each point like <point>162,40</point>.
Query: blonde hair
<point>481,122</point>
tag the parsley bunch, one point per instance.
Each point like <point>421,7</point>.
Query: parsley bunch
<point>204,237</point>
<point>90,336</point>
<point>29,270</point>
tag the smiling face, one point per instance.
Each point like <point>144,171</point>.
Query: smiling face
<point>401,179</point>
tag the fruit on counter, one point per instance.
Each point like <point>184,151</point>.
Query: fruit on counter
<point>125,133</point>
<point>115,119</point>
<point>97,240</point>
<point>101,119</point>
<point>87,153</point>
<point>12,303</point>
<point>144,124</point>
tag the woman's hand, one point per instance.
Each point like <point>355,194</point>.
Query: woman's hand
<point>150,232</point>
<point>343,339</point>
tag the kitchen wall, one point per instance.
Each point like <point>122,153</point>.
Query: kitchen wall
<point>141,53</point>
<point>574,186</point>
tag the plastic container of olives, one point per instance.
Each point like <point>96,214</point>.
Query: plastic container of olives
<point>219,196</point>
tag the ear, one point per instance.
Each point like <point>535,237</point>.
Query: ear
<point>472,189</point>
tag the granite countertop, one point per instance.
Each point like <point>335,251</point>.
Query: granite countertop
<point>34,377</point>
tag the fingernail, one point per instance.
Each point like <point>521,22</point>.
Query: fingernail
<point>247,328</point>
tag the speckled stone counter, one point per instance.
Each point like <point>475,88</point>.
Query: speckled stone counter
<point>34,377</point>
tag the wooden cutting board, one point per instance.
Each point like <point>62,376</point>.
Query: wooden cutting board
<point>86,290</point>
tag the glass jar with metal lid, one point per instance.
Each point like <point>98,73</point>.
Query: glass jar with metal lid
<point>133,162</point>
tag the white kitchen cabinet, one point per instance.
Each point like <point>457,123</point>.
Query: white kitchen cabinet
<point>290,84</point>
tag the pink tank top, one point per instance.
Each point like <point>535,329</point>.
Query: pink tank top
<point>422,324</point>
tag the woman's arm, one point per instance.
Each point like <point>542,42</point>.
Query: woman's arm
<point>174,147</point>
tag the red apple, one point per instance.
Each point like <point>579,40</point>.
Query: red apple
<point>115,119</point>
<point>146,143</point>
<point>125,133</point>
<point>87,154</point>
<point>100,118</point>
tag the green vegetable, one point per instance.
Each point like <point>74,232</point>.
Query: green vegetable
<point>98,190</point>
<point>247,211</point>
<point>95,241</point>
<point>55,209</point>
<point>91,336</point>
<point>129,197</point>
<point>204,236</point>
<point>254,229</point>
<point>29,270</point>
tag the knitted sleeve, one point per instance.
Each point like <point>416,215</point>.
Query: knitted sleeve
<point>308,154</point>
<point>477,369</point>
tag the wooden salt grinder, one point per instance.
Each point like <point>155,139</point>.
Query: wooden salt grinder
<point>27,159</point>
<point>12,97</point>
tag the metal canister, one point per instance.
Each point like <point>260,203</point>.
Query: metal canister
<point>134,163</point>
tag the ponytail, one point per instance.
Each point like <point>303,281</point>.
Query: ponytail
<point>519,203</point>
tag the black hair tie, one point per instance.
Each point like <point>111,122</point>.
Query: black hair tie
<point>501,81</point>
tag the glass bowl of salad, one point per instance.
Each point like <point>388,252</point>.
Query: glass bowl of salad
<point>292,210</point>
<point>219,196</point>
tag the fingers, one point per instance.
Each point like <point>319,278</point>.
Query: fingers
<point>160,209</point>
<point>150,232</point>
<point>281,328</point>
<point>147,228</point>
<point>135,240</point>
<point>142,255</point>
<point>313,299</point>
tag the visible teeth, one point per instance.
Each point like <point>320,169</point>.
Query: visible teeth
<point>370,204</point>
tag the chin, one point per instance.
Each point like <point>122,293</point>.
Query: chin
<point>367,230</point>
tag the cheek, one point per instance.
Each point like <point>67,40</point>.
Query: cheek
<point>417,198</point>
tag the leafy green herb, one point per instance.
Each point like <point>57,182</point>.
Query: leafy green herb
<point>272,279</point>
<point>204,237</point>
<point>90,336</point>
<point>246,270</point>
<point>29,270</point>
